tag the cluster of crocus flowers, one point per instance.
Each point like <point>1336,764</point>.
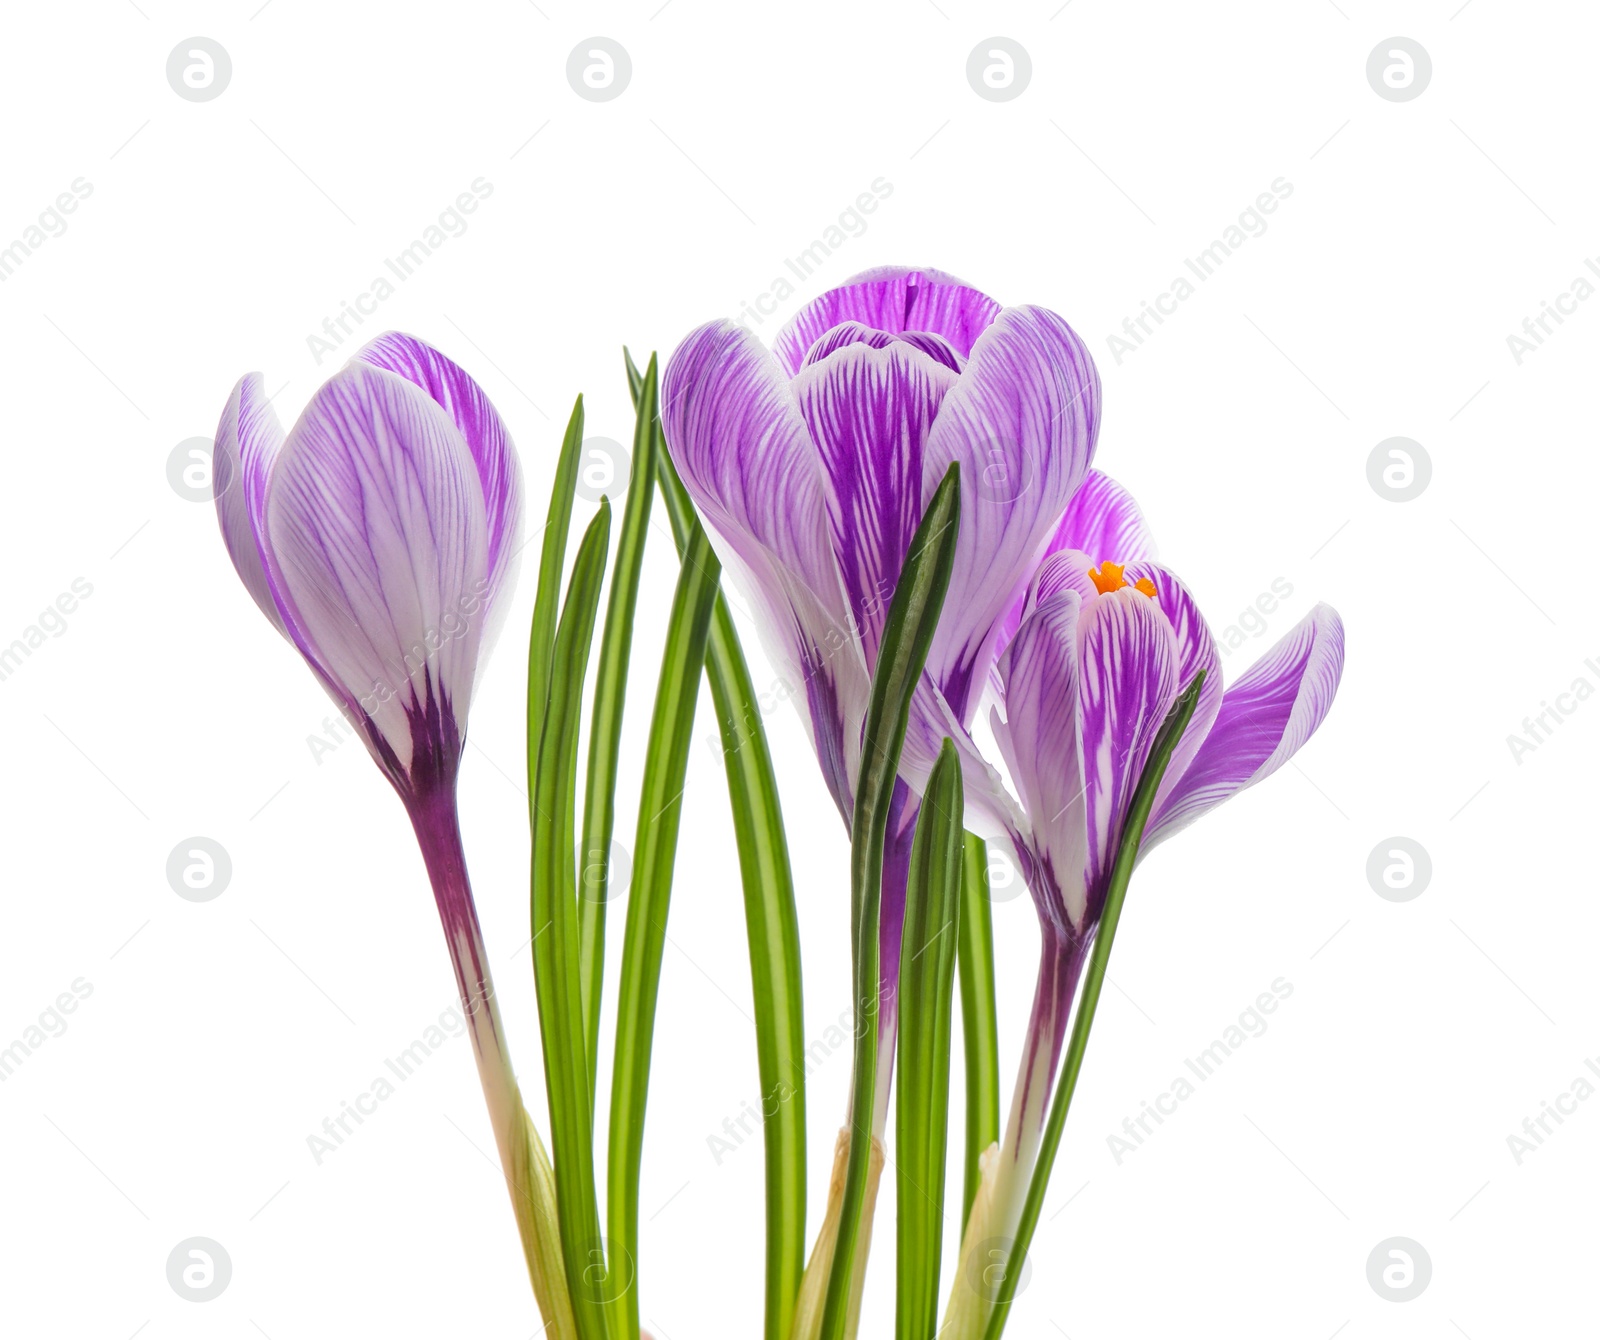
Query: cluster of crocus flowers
<point>378,537</point>
<point>812,465</point>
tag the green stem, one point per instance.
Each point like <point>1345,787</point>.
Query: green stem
<point>979,1021</point>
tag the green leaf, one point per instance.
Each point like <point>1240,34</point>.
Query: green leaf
<point>546,603</point>
<point>771,923</point>
<point>1093,980</point>
<point>979,1026</point>
<point>655,848</point>
<point>605,729</point>
<point>907,634</point>
<point>555,938</point>
<point>928,951</point>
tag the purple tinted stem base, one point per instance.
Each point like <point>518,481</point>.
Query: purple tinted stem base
<point>433,816</point>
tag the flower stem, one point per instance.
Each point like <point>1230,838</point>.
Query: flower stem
<point>992,1221</point>
<point>522,1156</point>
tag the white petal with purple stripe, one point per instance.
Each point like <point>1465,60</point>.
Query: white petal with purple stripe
<point>1021,422</point>
<point>894,299</point>
<point>746,457</point>
<point>377,539</point>
<point>1129,666</point>
<point>248,440</point>
<point>1263,720</point>
<point>869,410</point>
<point>479,423</point>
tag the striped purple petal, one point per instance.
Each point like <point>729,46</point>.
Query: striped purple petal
<point>1197,651</point>
<point>1065,570</point>
<point>892,299</point>
<point>1263,720</point>
<point>1022,422</point>
<point>248,440</point>
<point>480,425</point>
<point>738,440</point>
<point>1105,522</point>
<point>869,410</point>
<point>1102,522</point>
<point>853,332</point>
<point>991,812</point>
<point>1129,665</point>
<point>376,538</point>
<point>1041,741</point>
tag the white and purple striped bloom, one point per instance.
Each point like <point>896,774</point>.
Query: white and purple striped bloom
<point>1093,659</point>
<point>378,536</point>
<point>812,465</point>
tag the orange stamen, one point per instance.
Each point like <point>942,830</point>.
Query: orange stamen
<point>1108,578</point>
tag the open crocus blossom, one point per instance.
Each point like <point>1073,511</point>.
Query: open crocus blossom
<point>812,465</point>
<point>1097,652</point>
<point>378,537</point>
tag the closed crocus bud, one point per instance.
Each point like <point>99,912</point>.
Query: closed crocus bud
<point>379,536</point>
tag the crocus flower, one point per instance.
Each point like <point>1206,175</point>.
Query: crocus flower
<point>812,465</point>
<point>378,537</point>
<point>1094,657</point>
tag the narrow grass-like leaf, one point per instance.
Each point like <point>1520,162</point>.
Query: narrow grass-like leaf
<point>547,600</point>
<point>655,849</point>
<point>979,1027</point>
<point>907,634</point>
<point>555,939</point>
<point>1093,980</point>
<point>605,729</point>
<point>771,923</point>
<point>922,1094</point>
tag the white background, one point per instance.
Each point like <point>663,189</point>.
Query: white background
<point>219,1035</point>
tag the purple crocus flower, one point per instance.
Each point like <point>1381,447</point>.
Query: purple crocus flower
<point>1093,659</point>
<point>378,537</point>
<point>812,465</point>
